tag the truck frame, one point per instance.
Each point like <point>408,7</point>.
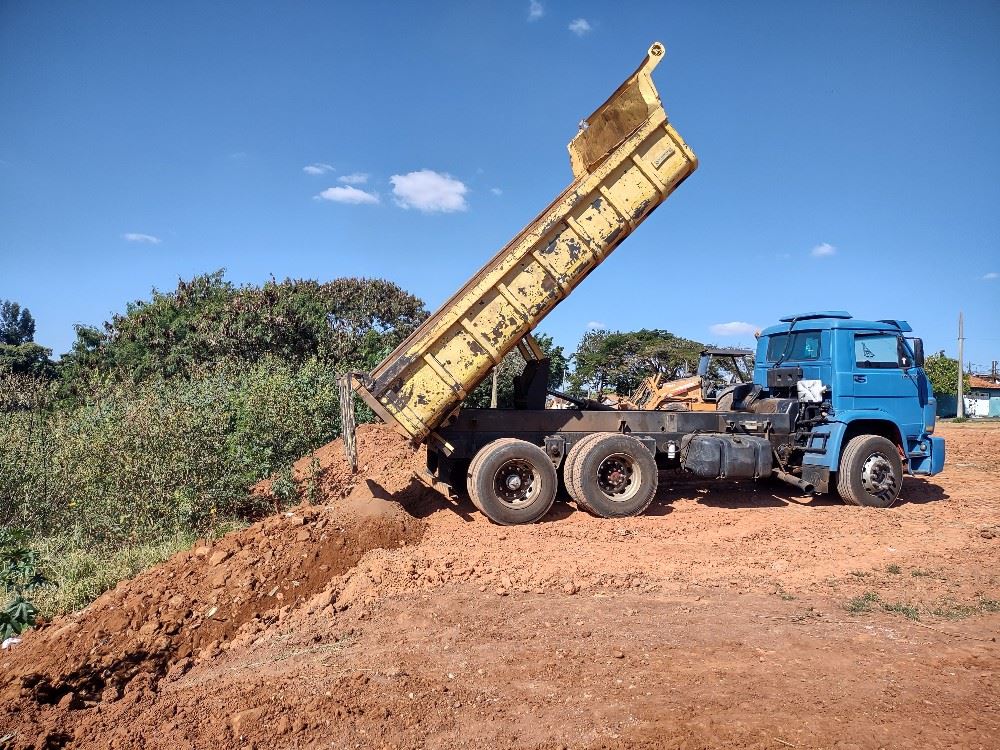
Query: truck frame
<point>835,403</point>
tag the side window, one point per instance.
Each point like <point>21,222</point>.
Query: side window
<point>876,351</point>
<point>804,345</point>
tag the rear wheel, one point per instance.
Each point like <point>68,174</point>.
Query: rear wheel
<point>571,459</point>
<point>613,476</point>
<point>871,472</point>
<point>512,481</point>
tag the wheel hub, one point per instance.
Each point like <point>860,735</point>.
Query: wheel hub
<point>877,476</point>
<point>514,482</point>
<point>615,475</point>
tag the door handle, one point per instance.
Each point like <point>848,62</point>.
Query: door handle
<point>860,379</point>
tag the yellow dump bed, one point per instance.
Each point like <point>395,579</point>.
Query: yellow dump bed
<point>626,160</point>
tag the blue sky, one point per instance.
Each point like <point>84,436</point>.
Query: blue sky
<point>849,154</point>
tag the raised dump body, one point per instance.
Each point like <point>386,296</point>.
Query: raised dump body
<point>626,160</point>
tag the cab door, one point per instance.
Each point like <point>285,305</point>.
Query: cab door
<point>886,379</point>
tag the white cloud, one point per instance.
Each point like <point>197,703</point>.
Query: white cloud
<point>496,191</point>
<point>991,275</point>
<point>823,250</point>
<point>348,194</point>
<point>355,178</point>
<point>145,239</point>
<point>580,26</point>
<point>733,328</point>
<point>535,10</point>
<point>595,325</point>
<point>429,191</point>
<point>317,168</point>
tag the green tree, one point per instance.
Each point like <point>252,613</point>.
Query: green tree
<point>207,321</point>
<point>942,371</point>
<point>26,359</point>
<point>618,361</point>
<point>17,326</point>
<point>19,354</point>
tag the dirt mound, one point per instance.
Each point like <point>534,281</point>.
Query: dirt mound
<point>387,462</point>
<point>221,594</point>
<point>192,606</point>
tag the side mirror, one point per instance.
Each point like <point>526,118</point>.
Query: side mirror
<point>918,352</point>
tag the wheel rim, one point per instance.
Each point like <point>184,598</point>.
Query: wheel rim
<point>878,478</point>
<point>515,483</point>
<point>619,477</point>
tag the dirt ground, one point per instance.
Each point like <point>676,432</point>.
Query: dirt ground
<point>728,616</point>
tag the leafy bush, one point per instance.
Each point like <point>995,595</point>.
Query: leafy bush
<point>18,576</point>
<point>138,463</point>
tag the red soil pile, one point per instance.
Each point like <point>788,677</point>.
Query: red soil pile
<point>202,602</point>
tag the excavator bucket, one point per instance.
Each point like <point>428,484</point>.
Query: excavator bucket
<point>626,160</point>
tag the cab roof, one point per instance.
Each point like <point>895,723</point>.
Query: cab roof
<point>828,319</point>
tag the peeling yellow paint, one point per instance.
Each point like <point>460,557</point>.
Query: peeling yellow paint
<point>626,160</point>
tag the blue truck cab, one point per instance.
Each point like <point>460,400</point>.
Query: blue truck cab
<point>866,407</point>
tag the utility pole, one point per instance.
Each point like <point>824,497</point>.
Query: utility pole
<point>961,340</point>
<point>493,395</point>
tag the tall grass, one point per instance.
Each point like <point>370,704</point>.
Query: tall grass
<point>146,467</point>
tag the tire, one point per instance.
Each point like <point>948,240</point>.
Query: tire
<point>870,473</point>
<point>614,476</point>
<point>725,401</point>
<point>512,482</point>
<point>571,459</point>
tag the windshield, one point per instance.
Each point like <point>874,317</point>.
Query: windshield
<point>803,345</point>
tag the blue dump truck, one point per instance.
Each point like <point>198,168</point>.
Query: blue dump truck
<point>836,404</point>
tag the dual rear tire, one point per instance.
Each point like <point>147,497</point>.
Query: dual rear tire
<point>608,474</point>
<point>611,475</point>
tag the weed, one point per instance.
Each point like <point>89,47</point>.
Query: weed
<point>862,603</point>
<point>860,573</point>
<point>894,569</point>
<point>907,610</point>
<point>917,572</point>
<point>952,611</point>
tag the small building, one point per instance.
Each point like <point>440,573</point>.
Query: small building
<point>982,398</point>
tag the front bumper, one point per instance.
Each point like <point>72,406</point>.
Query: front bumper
<point>933,461</point>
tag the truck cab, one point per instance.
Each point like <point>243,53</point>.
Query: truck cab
<point>854,380</point>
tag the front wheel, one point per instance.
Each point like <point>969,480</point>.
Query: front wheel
<point>871,472</point>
